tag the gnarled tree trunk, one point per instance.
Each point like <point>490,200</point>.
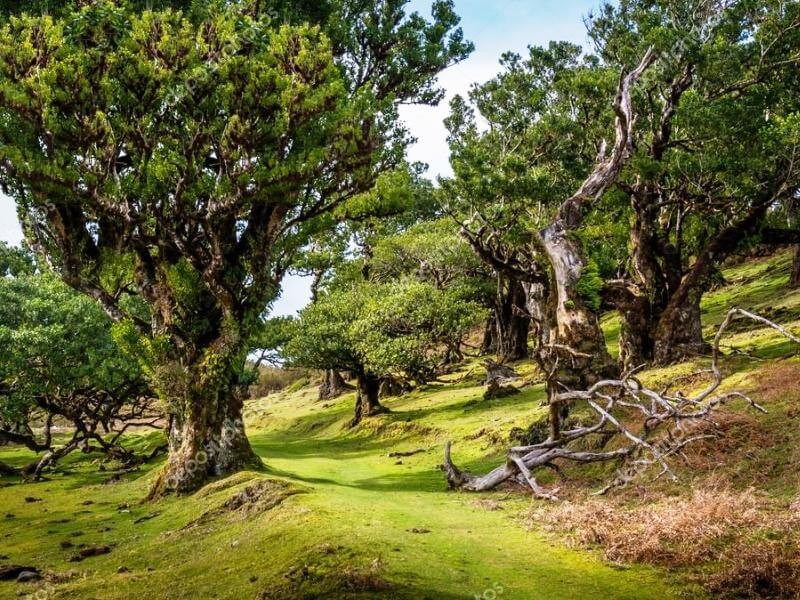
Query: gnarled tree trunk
<point>489,342</point>
<point>206,433</point>
<point>576,325</point>
<point>679,334</point>
<point>333,385</point>
<point>513,322</point>
<point>576,355</point>
<point>635,335</point>
<point>206,440</point>
<point>367,398</point>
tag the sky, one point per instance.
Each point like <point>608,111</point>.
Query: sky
<point>494,26</point>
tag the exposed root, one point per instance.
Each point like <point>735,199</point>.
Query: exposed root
<point>660,431</point>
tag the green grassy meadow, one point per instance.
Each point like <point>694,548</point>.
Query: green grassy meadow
<point>345,516</point>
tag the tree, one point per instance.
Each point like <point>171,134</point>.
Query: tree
<point>652,426</point>
<point>58,361</point>
<point>509,188</point>
<point>323,339</point>
<point>433,251</point>
<point>401,329</point>
<point>15,261</point>
<point>184,164</point>
<point>714,154</point>
<point>399,198</point>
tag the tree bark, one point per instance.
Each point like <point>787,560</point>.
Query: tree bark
<point>679,332</point>
<point>367,399</point>
<point>635,310</point>
<point>576,356</point>
<point>391,387</point>
<point>794,279</point>
<point>333,385</point>
<point>512,321</point>
<point>489,343</point>
<point>576,325</point>
<point>206,441</point>
<point>206,433</point>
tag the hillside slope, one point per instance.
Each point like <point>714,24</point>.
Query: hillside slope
<point>365,512</point>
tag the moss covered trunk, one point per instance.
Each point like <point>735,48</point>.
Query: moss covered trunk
<point>679,331</point>
<point>206,433</point>
<point>575,327</point>
<point>573,354</point>
<point>794,279</point>
<point>332,386</point>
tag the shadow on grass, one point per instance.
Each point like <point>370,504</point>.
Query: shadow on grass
<point>474,406</point>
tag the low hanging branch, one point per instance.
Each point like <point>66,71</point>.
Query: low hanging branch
<point>656,436</point>
<point>98,419</point>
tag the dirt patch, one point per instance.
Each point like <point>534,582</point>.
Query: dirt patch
<point>405,454</point>
<point>11,572</point>
<point>90,552</point>
<point>259,497</point>
<point>487,504</point>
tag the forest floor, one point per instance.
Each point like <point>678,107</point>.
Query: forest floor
<point>338,513</point>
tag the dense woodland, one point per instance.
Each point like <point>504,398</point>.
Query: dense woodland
<point>173,162</point>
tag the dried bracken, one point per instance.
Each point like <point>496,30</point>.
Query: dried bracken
<point>738,543</point>
<point>669,532</point>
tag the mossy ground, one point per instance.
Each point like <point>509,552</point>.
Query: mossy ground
<point>352,521</point>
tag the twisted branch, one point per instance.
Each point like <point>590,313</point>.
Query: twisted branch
<point>609,400</point>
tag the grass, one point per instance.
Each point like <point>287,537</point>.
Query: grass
<point>338,517</point>
<point>359,517</point>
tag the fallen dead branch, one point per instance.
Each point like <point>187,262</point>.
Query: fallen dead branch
<point>659,434</point>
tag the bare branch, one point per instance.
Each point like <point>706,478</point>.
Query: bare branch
<point>652,440</point>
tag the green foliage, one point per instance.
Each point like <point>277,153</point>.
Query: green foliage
<point>404,327</point>
<point>15,261</point>
<point>409,326</point>
<point>271,379</point>
<point>546,112</point>
<point>714,147</point>
<point>320,339</point>
<point>590,284</point>
<point>174,164</point>
<point>54,343</point>
<point>433,252</point>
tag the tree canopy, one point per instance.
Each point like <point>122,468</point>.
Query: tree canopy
<point>172,168</point>
<point>58,360</point>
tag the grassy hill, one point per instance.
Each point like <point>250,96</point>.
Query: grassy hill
<point>364,512</point>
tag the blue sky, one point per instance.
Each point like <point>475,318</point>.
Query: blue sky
<point>495,27</point>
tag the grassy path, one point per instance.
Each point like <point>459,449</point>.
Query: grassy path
<point>432,543</point>
<point>362,523</point>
